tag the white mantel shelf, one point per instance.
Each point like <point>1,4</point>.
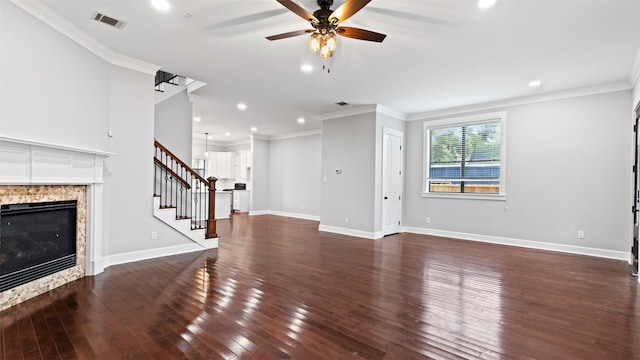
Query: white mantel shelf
<point>24,162</point>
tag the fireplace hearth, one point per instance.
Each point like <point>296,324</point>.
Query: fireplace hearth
<point>36,240</point>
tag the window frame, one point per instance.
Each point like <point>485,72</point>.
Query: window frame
<point>483,118</point>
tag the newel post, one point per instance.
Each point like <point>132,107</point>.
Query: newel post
<point>211,217</point>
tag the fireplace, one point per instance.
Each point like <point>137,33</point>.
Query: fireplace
<point>36,240</point>
<point>43,174</point>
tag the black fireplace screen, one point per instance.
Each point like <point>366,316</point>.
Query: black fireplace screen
<point>36,240</point>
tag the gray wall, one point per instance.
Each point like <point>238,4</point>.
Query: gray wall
<point>73,98</point>
<point>174,123</point>
<point>568,169</point>
<point>52,89</point>
<point>348,143</point>
<point>260,175</point>
<point>382,121</point>
<point>294,175</point>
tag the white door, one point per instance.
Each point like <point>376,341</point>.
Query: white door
<point>391,181</point>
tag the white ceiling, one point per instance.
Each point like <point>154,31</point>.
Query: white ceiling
<point>438,54</point>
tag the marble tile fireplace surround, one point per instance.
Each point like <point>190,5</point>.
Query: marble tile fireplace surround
<point>32,171</point>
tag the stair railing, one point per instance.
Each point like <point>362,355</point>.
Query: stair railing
<point>179,187</point>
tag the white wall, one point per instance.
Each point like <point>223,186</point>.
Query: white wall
<point>174,123</point>
<point>129,183</point>
<point>568,169</point>
<point>382,121</point>
<point>294,175</point>
<point>348,144</point>
<point>56,91</point>
<point>260,176</point>
<point>51,89</point>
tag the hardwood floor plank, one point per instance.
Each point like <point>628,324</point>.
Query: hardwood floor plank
<point>279,289</point>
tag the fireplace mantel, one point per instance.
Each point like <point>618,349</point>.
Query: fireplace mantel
<point>28,162</point>
<point>25,162</point>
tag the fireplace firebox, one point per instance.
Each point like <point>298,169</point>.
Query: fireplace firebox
<point>36,240</point>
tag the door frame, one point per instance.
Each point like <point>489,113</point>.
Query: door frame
<point>636,194</point>
<point>385,132</point>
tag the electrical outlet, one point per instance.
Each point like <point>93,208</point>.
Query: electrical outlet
<point>301,207</point>
<point>346,219</point>
<point>154,235</point>
<point>428,220</point>
<point>580,234</point>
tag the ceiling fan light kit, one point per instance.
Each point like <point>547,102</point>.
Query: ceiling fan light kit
<point>323,43</point>
<point>326,24</point>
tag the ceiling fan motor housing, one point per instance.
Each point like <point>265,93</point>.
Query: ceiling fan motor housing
<point>325,4</point>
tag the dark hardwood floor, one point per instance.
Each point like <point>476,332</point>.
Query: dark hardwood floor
<point>278,289</point>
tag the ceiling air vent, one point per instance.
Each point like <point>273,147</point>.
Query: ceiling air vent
<point>342,103</point>
<point>118,24</point>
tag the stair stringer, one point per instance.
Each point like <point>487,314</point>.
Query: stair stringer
<point>183,226</point>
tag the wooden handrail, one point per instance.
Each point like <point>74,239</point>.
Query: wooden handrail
<point>189,204</point>
<point>172,173</point>
<point>193,172</point>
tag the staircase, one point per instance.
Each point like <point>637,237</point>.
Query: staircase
<point>183,199</point>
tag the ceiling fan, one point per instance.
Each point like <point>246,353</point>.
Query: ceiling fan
<point>326,24</point>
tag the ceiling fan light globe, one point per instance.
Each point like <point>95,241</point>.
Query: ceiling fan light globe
<point>314,44</point>
<point>332,42</point>
<point>325,52</point>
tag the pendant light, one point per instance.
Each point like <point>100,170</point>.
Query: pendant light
<point>206,144</point>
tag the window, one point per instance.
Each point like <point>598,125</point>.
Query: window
<point>465,155</point>
<point>198,165</point>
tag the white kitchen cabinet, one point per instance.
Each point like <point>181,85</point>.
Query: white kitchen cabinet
<point>241,200</point>
<point>243,162</point>
<point>223,204</point>
<point>223,165</point>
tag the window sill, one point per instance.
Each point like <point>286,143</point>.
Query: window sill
<point>467,196</point>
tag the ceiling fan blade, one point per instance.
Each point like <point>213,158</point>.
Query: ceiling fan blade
<point>346,10</point>
<point>299,10</point>
<point>246,19</point>
<point>360,34</point>
<point>409,16</point>
<point>290,34</point>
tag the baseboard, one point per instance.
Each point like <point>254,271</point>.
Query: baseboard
<point>285,214</point>
<point>351,232</point>
<point>294,215</point>
<point>579,250</point>
<point>149,254</point>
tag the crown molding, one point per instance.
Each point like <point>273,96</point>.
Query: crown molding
<point>62,25</point>
<point>260,137</point>
<point>296,134</point>
<point>391,112</point>
<point>559,95</point>
<point>352,111</point>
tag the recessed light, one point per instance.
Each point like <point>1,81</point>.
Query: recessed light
<point>306,68</point>
<point>242,106</point>
<point>483,4</point>
<point>227,134</point>
<point>254,129</point>
<point>300,120</point>
<point>209,137</point>
<point>196,119</point>
<point>162,5</point>
<point>535,83</point>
